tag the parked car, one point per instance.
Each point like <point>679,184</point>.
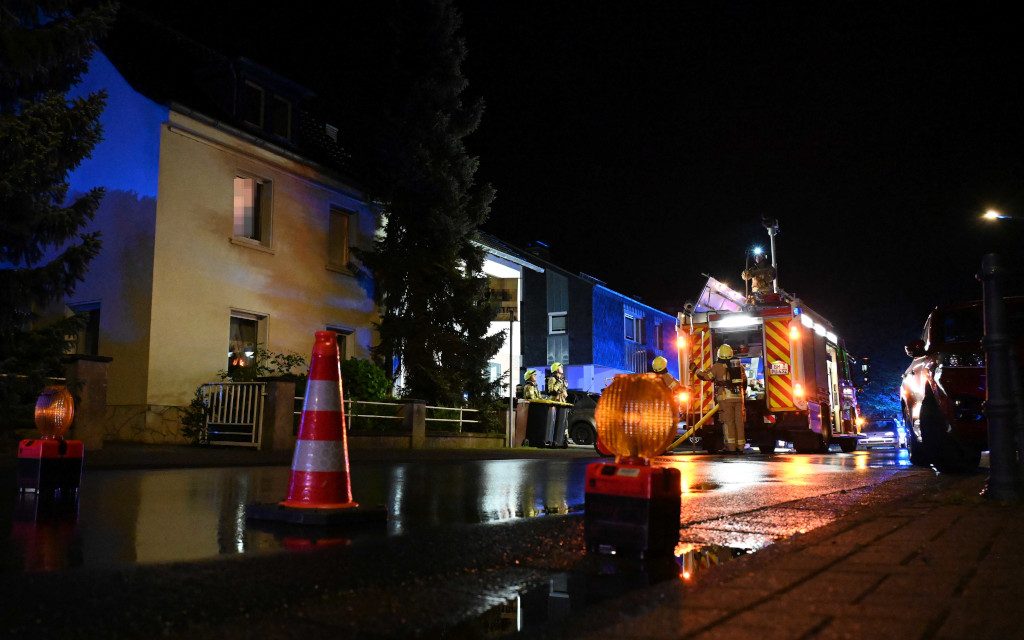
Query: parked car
<point>886,433</point>
<point>944,387</point>
<point>582,427</point>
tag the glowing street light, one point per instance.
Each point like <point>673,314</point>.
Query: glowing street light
<point>992,214</point>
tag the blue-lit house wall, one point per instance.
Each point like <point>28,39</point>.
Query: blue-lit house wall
<point>613,350</point>
<point>126,162</point>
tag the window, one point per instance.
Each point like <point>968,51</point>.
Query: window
<point>659,342</point>
<point>252,104</point>
<point>342,336</point>
<point>87,341</point>
<point>245,333</point>
<point>252,209</point>
<point>494,371</point>
<point>633,328</point>
<point>338,238</point>
<point>556,322</point>
<point>279,118</point>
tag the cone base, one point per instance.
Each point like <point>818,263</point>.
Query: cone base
<point>318,516</point>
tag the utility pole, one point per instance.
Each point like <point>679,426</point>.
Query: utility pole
<point>1000,408</point>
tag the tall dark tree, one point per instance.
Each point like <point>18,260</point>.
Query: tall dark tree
<point>434,300</point>
<point>44,49</point>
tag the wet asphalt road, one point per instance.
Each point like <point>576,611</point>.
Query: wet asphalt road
<point>160,516</point>
<point>473,548</point>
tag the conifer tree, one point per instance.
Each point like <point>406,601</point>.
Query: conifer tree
<point>44,49</point>
<point>427,271</point>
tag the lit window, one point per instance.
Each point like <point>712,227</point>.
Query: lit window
<point>252,209</point>
<point>338,239</point>
<point>556,322</point>
<point>244,337</point>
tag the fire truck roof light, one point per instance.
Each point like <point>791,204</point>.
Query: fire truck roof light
<point>737,320</point>
<point>806,321</point>
<point>820,329</point>
<point>831,337</point>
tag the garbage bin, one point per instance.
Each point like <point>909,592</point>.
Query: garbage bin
<point>546,421</point>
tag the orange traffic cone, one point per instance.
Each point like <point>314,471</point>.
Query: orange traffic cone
<point>320,490</point>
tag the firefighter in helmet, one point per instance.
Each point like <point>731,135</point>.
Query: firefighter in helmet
<point>730,388</point>
<point>760,276</point>
<point>555,384</point>
<point>660,366</point>
<point>530,390</point>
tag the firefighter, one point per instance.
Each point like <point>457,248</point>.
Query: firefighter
<point>555,384</point>
<point>660,366</point>
<point>730,381</point>
<point>530,390</point>
<point>760,276</point>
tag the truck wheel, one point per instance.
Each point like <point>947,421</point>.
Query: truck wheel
<point>582,433</point>
<point>847,445</point>
<point>712,442</point>
<point>809,443</point>
<point>766,444</point>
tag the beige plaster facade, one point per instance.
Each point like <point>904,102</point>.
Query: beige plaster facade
<point>171,272</point>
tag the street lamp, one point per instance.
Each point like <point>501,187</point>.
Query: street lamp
<point>992,214</point>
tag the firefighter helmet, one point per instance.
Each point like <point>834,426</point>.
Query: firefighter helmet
<point>724,352</point>
<point>659,364</point>
<point>556,366</point>
<point>530,373</point>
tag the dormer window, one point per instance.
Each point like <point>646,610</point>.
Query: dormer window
<point>279,121</point>
<point>252,104</point>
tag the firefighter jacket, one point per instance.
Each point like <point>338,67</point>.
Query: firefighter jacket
<point>530,391</point>
<point>557,389</point>
<point>729,377</point>
<point>760,278</point>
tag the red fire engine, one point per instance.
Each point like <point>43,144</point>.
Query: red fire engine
<point>800,388</point>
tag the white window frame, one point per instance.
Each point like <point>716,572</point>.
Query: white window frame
<point>264,205</point>
<point>565,324</point>
<point>261,327</point>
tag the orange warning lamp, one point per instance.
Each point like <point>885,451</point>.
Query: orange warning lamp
<point>55,409</point>
<point>681,341</point>
<point>636,417</point>
<point>683,397</point>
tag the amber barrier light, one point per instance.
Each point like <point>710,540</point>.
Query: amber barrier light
<point>636,416</point>
<point>55,409</point>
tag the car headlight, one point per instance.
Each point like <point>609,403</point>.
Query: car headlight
<point>962,360</point>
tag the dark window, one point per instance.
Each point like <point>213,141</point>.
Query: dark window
<point>341,335</point>
<point>338,239</point>
<point>659,342</point>
<point>280,117</point>
<point>87,342</point>
<point>252,104</point>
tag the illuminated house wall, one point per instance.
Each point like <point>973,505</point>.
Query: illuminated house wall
<point>172,272</point>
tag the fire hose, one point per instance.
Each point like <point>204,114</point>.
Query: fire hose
<point>689,432</point>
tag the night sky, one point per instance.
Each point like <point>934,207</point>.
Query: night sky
<point>644,141</point>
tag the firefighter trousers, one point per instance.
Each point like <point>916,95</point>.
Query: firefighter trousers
<point>732,424</point>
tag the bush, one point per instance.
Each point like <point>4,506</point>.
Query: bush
<point>268,363</point>
<point>363,380</point>
<point>193,419</point>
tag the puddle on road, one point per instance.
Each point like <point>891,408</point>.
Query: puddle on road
<point>595,580</point>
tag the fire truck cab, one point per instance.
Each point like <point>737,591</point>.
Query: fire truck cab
<point>799,386</point>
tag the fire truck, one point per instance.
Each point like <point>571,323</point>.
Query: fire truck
<point>800,388</point>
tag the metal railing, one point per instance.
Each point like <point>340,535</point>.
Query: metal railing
<point>355,416</point>
<point>461,420</point>
<point>234,412</point>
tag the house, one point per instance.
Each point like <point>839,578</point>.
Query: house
<point>504,267</point>
<point>227,226</point>
<point>592,330</point>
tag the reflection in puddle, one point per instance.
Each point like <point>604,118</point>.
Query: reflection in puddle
<point>594,580</point>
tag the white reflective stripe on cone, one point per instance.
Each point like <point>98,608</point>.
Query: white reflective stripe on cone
<point>322,395</point>
<point>318,455</point>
